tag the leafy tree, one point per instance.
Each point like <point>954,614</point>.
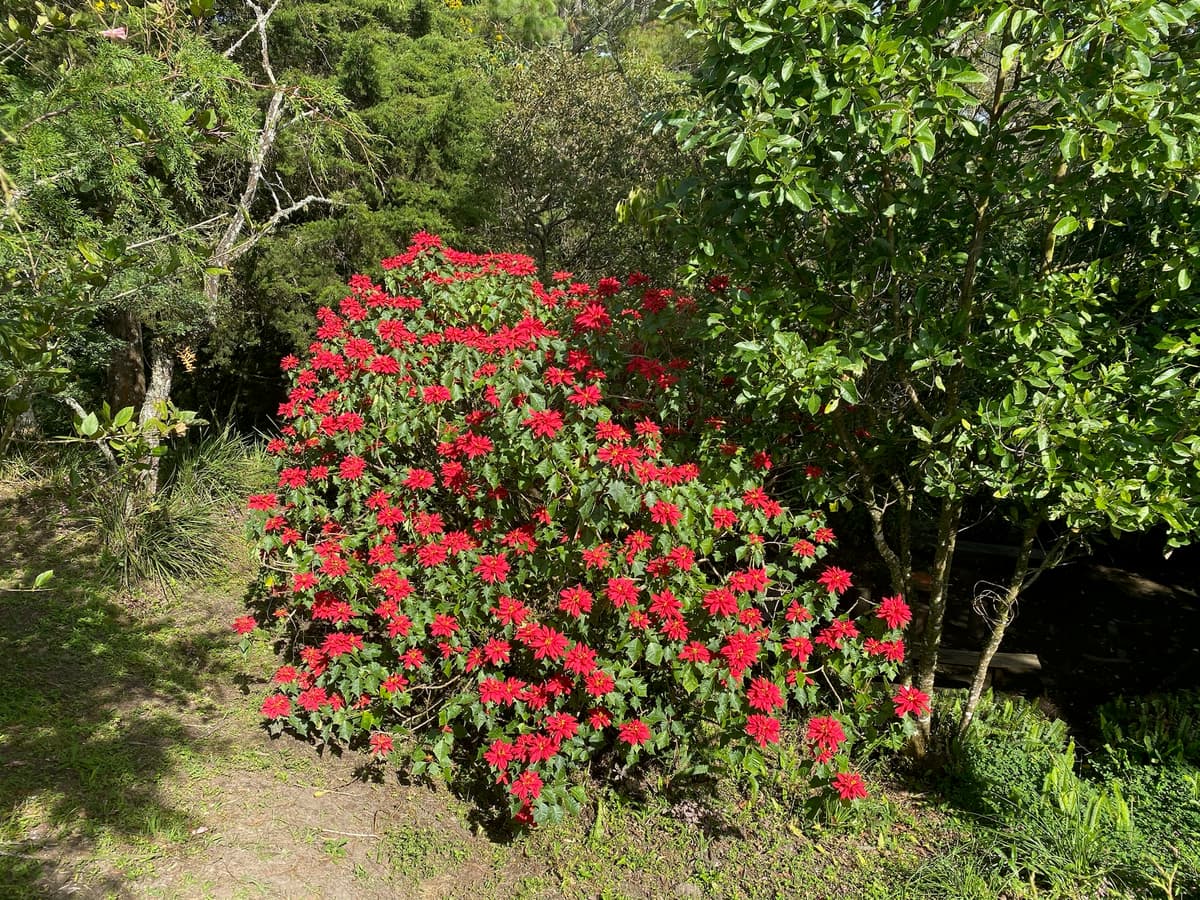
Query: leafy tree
<point>967,235</point>
<point>132,131</point>
<point>421,83</point>
<point>575,138</point>
<point>527,23</point>
<point>100,162</point>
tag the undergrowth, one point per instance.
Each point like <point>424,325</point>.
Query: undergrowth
<point>1122,821</point>
<point>181,533</point>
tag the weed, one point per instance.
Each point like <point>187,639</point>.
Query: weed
<point>335,848</point>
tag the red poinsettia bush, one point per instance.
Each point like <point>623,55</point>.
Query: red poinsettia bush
<point>509,528</point>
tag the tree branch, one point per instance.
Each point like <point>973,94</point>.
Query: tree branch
<point>279,216</point>
<point>260,22</point>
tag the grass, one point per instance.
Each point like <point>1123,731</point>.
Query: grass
<point>132,762</point>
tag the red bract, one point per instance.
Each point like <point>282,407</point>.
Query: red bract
<point>575,601</point>
<point>764,695</point>
<point>276,706</point>
<point>911,700</point>
<point>825,732</point>
<point>544,423</point>
<point>720,602</point>
<point>381,744</point>
<point>527,785</point>
<point>849,786</point>
<point>492,568</point>
<point>497,528</point>
<point>834,580</point>
<point>634,732</point>
<point>764,729</point>
<point>664,513</point>
<point>723,518</point>
<point>894,611</point>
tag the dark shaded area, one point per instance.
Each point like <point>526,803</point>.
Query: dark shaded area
<point>1122,621</point>
<point>75,672</point>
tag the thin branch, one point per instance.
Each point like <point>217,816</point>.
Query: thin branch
<point>174,234</point>
<point>917,404</point>
<point>357,834</point>
<point>261,26</point>
<point>253,28</point>
<point>281,215</point>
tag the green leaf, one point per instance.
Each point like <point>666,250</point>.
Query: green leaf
<point>1068,145</point>
<point>89,425</point>
<point>654,653</point>
<point>996,21</point>
<point>753,762</point>
<point>755,43</point>
<point>735,150</point>
<point>1134,28</point>
<point>1066,225</point>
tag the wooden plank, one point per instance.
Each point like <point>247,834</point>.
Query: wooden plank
<point>1010,662</point>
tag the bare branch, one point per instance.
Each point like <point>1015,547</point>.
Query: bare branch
<point>166,237</point>
<point>261,26</point>
<point>270,224</point>
<point>221,254</point>
<point>260,22</point>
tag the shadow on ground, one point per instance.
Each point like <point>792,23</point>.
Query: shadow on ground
<point>97,705</point>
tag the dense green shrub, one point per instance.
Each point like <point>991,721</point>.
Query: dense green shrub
<point>1001,764</point>
<point>508,524</point>
<point>1151,746</point>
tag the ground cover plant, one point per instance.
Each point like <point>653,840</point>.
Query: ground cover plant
<point>506,526</point>
<point>1068,820</point>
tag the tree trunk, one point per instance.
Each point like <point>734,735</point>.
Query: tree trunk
<point>1003,617</point>
<point>899,565</point>
<point>6,434</point>
<point>947,536</point>
<point>162,370</point>
<point>126,365</point>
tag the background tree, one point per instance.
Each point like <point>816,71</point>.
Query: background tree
<point>101,158</point>
<point>420,78</point>
<point>146,137</point>
<point>575,138</point>
<point>967,236</point>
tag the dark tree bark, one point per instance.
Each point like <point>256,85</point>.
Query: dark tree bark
<point>127,364</point>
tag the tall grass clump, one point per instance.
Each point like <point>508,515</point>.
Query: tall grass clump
<point>1121,821</point>
<point>184,530</point>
